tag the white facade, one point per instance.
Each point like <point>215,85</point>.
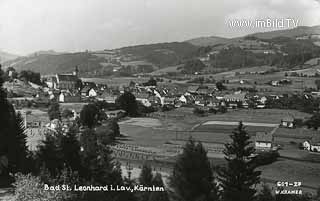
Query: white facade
<point>263,145</point>
<point>92,93</point>
<point>144,101</point>
<point>61,97</point>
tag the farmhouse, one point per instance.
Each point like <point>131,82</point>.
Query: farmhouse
<point>143,98</point>
<point>169,100</point>
<point>264,141</point>
<point>287,122</point>
<point>115,113</point>
<point>313,144</point>
<point>108,97</point>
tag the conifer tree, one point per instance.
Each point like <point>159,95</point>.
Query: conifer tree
<point>145,179</point>
<point>239,178</point>
<point>158,196</point>
<point>146,176</point>
<point>192,177</point>
<point>13,149</point>
<point>265,194</point>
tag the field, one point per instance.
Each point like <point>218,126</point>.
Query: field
<point>115,81</point>
<point>175,127</point>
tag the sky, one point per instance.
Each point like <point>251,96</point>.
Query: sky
<point>27,26</point>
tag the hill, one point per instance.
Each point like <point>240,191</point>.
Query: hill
<point>61,63</point>
<point>291,33</point>
<point>4,56</point>
<point>208,41</point>
<point>160,54</point>
<point>48,52</point>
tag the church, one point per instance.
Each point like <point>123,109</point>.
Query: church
<point>68,81</point>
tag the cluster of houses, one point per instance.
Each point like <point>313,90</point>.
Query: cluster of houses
<point>70,88</point>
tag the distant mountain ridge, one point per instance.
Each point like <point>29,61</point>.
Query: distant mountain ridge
<point>159,55</point>
<point>291,33</point>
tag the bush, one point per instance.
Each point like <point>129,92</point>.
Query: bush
<point>29,188</point>
<point>265,158</point>
<point>198,111</point>
<point>212,110</point>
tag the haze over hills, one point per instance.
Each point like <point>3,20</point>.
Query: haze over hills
<point>208,41</point>
<point>5,56</point>
<point>291,33</point>
<point>153,57</point>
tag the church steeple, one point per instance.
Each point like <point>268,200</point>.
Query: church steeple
<point>76,71</point>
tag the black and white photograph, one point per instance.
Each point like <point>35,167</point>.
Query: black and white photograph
<point>159,100</point>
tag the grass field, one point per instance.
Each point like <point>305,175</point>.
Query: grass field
<point>116,81</point>
<point>176,126</point>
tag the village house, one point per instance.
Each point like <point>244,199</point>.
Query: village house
<point>89,91</point>
<point>312,145</point>
<point>115,113</point>
<point>108,96</point>
<point>65,97</point>
<point>154,100</point>
<point>186,99</point>
<point>235,100</point>
<point>287,122</point>
<point>169,100</point>
<point>51,82</point>
<point>143,98</point>
<point>264,141</point>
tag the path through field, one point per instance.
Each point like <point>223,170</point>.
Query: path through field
<point>235,123</point>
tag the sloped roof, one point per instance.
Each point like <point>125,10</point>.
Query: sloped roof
<point>288,119</point>
<point>193,89</point>
<point>70,78</point>
<point>264,137</point>
<point>85,89</point>
<point>240,96</point>
<point>203,91</point>
<point>142,95</point>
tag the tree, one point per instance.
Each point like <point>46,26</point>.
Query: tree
<point>146,176</point>
<point>29,187</point>
<point>317,82</point>
<point>50,155</point>
<point>18,151</point>
<point>150,82</point>
<point>54,111</point>
<point>265,194</point>
<point>70,148</point>
<point>89,115</point>
<point>192,177</point>
<point>220,86</point>
<point>239,177</point>
<point>158,196</point>
<point>317,196</point>
<point>193,66</point>
<point>127,102</point>
<point>30,76</point>
<point>13,149</point>
<point>314,121</point>
<point>145,179</point>
<point>66,113</point>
